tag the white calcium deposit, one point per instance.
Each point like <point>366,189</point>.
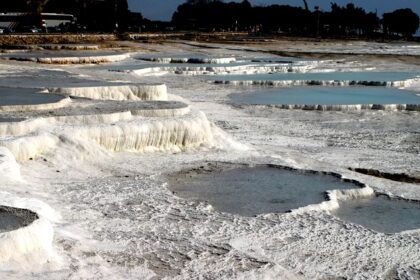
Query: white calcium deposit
<point>98,176</point>
<point>220,70</point>
<point>118,92</point>
<point>136,134</point>
<point>72,59</point>
<point>198,60</point>
<point>26,247</point>
<point>8,165</point>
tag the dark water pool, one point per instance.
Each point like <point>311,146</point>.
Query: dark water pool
<point>15,218</point>
<point>381,214</point>
<point>252,191</point>
<point>25,96</point>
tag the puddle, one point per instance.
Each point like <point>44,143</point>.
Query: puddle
<point>25,96</point>
<point>381,214</point>
<point>327,96</point>
<point>252,191</point>
<point>47,78</point>
<point>337,76</point>
<point>15,218</point>
<point>11,119</point>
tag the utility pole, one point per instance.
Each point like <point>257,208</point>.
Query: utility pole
<point>317,20</point>
<point>306,5</point>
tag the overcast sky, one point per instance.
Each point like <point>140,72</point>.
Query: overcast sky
<point>163,9</point>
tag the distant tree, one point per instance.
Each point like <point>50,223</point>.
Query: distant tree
<point>348,20</point>
<point>218,15</point>
<point>351,20</point>
<point>36,5</point>
<point>402,21</point>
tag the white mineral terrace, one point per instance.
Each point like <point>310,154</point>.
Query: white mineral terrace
<point>87,112</point>
<point>218,70</point>
<point>126,134</point>
<point>72,47</point>
<point>94,171</point>
<point>68,58</point>
<point>117,92</point>
<point>115,125</point>
<point>23,233</point>
<point>198,60</point>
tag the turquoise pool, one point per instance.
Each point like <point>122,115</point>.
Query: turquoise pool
<point>339,76</point>
<point>327,96</point>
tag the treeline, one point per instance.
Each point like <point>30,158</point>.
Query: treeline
<point>217,15</point>
<point>349,20</point>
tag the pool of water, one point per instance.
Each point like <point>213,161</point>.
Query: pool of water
<point>381,214</point>
<point>339,76</point>
<point>57,54</point>
<point>11,119</point>
<point>9,222</point>
<point>47,78</point>
<point>14,218</point>
<point>253,191</point>
<point>25,96</point>
<point>328,96</point>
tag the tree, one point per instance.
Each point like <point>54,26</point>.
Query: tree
<point>37,5</point>
<point>402,21</point>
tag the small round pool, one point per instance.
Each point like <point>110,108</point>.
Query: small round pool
<point>251,191</point>
<point>15,218</point>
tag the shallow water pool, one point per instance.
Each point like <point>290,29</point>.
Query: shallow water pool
<point>253,191</point>
<point>47,78</point>
<point>339,76</point>
<point>25,96</point>
<point>15,218</point>
<point>328,96</point>
<point>57,54</point>
<point>381,214</point>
